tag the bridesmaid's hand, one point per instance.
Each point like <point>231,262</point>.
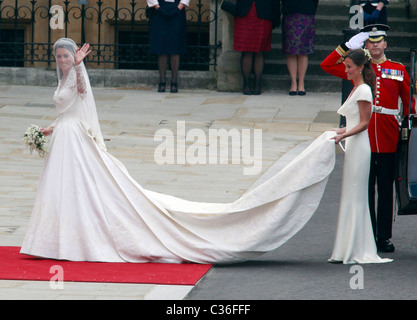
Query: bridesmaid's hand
<point>181,6</point>
<point>80,54</point>
<point>337,138</point>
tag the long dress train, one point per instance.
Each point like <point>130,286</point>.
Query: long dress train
<point>88,207</point>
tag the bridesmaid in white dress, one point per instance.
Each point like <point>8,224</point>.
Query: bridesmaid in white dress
<point>355,242</point>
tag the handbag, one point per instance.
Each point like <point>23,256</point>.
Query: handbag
<point>229,6</point>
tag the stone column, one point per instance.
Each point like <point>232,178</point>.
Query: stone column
<point>229,77</point>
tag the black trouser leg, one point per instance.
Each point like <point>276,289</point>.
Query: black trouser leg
<point>371,192</point>
<point>382,172</point>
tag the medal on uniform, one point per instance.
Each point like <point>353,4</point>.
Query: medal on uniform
<point>392,74</point>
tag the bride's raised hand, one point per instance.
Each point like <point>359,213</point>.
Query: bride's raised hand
<point>81,53</point>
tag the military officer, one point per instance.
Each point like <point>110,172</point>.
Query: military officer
<point>392,83</point>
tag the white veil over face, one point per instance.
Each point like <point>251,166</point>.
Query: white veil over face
<point>79,94</point>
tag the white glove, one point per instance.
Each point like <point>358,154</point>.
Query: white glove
<point>357,41</point>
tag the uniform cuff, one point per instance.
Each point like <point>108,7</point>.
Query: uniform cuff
<point>342,49</point>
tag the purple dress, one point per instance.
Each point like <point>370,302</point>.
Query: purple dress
<point>298,34</point>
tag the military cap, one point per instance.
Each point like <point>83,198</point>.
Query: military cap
<point>376,32</point>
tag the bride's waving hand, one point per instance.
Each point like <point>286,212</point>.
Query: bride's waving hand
<point>79,56</point>
<point>81,53</point>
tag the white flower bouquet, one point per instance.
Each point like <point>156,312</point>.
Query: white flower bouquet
<point>35,140</point>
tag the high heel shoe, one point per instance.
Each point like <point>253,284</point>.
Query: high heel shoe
<point>174,87</point>
<point>161,86</point>
<point>246,90</point>
<point>256,91</point>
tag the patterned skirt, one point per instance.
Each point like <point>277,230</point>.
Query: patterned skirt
<point>298,34</point>
<point>252,34</point>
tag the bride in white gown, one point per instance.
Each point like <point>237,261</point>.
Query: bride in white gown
<point>355,241</point>
<point>88,208</point>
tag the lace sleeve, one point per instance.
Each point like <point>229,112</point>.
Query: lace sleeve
<point>81,87</point>
<point>53,124</point>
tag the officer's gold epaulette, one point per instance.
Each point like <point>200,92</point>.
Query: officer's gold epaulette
<point>395,62</point>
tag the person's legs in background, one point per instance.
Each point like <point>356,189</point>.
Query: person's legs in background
<point>302,64</point>
<point>292,69</point>
<point>175,65</point>
<point>258,67</point>
<point>162,67</point>
<point>246,64</point>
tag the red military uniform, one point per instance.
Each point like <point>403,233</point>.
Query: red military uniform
<point>392,82</point>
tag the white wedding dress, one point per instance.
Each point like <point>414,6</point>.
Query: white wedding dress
<point>355,242</point>
<point>88,208</point>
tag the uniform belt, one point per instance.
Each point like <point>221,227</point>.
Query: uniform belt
<point>382,110</point>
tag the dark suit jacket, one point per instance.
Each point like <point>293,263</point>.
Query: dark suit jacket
<point>265,9</point>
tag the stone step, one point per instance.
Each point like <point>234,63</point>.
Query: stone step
<point>331,20</point>
<point>342,8</point>
<point>336,22</point>
<point>279,67</point>
<point>313,83</point>
<point>332,37</point>
<point>322,51</point>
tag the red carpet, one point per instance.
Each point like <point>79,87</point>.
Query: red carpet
<point>16,266</point>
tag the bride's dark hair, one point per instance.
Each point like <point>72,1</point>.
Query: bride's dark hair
<point>361,58</point>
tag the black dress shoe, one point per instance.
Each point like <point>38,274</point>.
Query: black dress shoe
<point>161,87</point>
<point>174,87</point>
<point>246,90</point>
<point>385,246</point>
<point>256,91</point>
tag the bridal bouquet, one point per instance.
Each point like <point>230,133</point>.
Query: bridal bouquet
<point>35,140</point>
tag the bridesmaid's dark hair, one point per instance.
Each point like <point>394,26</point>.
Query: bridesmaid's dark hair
<point>362,58</point>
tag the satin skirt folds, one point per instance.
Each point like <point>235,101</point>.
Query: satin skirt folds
<point>168,35</point>
<point>88,208</point>
<point>251,33</point>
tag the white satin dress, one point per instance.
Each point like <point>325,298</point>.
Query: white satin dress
<point>88,207</point>
<point>354,241</point>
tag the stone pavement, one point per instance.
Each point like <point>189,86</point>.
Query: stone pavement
<point>130,120</point>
